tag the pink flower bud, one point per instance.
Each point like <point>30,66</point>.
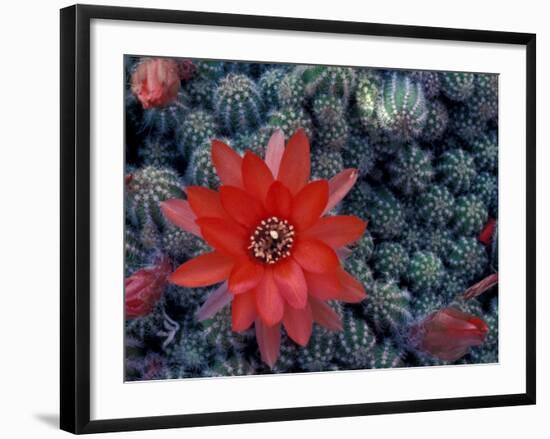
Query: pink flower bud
<point>144,288</point>
<point>156,82</point>
<point>448,334</point>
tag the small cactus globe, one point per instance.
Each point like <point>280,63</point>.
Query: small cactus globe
<point>288,218</point>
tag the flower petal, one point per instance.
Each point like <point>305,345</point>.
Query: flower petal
<point>278,201</point>
<point>339,186</point>
<point>205,202</point>
<point>179,213</point>
<point>257,177</point>
<point>227,163</point>
<point>216,302</point>
<point>269,302</point>
<point>274,151</point>
<point>291,282</point>
<point>298,324</point>
<point>228,238</point>
<point>353,291</point>
<point>245,276</point>
<point>202,271</point>
<point>241,206</point>
<point>323,286</point>
<point>269,341</point>
<point>325,315</point>
<point>337,231</point>
<point>295,164</point>
<point>308,204</point>
<point>243,311</point>
<point>315,256</point>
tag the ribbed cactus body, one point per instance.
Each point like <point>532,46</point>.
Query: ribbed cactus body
<point>390,260</point>
<point>325,163</point>
<point>290,120</point>
<point>436,121</point>
<point>198,128</point>
<point>238,104</point>
<point>401,108</point>
<point>468,258</point>
<point>456,170</point>
<point>387,306</point>
<point>470,215</point>
<point>146,189</point>
<point>435,205</point>
<point>458,86</point>
<point>412,170</point>
<point>425,271</point>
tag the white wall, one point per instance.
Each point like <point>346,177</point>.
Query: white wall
<point>29,247</point>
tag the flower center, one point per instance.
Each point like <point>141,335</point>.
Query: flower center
<point>272,240</point>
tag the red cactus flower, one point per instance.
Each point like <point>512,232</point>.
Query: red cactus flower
<point>144,288</point>
<point>486,234</point>
<point>448,334</point>
<point>273,250</point>
<point>156,82</point>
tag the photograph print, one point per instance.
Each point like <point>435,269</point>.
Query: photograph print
<point>287,218</point>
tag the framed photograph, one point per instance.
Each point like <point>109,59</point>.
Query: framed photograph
<point>268,218</point>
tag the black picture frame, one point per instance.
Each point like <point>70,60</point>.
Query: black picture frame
<point>75,217</point>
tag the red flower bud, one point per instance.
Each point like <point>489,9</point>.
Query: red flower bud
<point>449,333</point>
<point>144,288</point>
<point>486,234</point>
<point>156,82</point>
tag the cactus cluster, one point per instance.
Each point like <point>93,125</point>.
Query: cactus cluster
<point>425,147</point>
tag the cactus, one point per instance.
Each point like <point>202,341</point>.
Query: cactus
<point>198,128</point>
<point>135,254</point>
<point>386,355</point>
<point>438,241</point>
<point>200,170</point>
<point>358,153</point>
<point>425,271</point>
<point>325,164</point>
<point>390,260</point>
<point>238,104</point>
<point>485,152</point>
<point>426,303</point>
<point>179,243</point>
<point>436,121</point>
<point>458,86</point>
<point>484,100</point>
<point>387,306</point>
<point>333,136</point>
<point>486,187</point>
<point>256,141</point>
<point>401,109</point>
<point>369,86</point>
<point>363,248</point>
<point>431,82</point>
<point>359,269</point>
<point>355,342</point>
<point>157,152</point>
<point>411,171</point>
<point>328,110</point>
<point>146,189</point>
<point>387,218</point>
<point>269,86</point>
<point>468,258</point>
<point>456,170</point>
<point>466,124</point>
<point>235,365</point>
<point>190,354</point>
<point>435,206</point>
<point>452,286</point>
<point>470,214</point>
<point>291,91</point>
<point>289,120</point>
<point>165,121</point>
<point>201,93</point>
<point>488,351</point>
<point>319,352</point>
<point>412,238</point>
<point>336,81</point>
